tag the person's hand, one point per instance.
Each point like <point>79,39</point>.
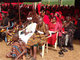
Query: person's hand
<point>56,31</point>
<point>46,35</point>
<point>65,32</point>
<point>70,29</point>
<point>26,33</point>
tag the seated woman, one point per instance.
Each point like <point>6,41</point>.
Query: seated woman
<point>53,26</point>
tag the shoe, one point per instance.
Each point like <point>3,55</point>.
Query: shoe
<point>64,50</point>
<point>61,54</point>
<point>71,49</point>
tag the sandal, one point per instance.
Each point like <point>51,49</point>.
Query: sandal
<point>64,50</point>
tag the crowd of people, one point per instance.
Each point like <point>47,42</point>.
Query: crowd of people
<point>38,27</point>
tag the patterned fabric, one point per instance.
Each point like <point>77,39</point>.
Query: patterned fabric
<point>9,37</point>
<point>16,50</point>
<point>37,38</point>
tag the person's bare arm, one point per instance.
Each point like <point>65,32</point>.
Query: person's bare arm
<point>7,25</point>
<point>47,32</point>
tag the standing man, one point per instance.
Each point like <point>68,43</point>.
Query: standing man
<point>70,28</point>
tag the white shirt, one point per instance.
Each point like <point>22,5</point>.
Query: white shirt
<point>30,28</point>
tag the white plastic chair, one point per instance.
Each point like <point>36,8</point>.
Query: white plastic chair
<point>46,44</point>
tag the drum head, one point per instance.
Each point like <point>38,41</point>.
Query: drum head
<point>15,37</point>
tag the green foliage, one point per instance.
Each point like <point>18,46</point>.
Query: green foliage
<point>53,2</point>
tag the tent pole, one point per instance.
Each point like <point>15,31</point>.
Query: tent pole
<point>0,7</point>
<point>58,2</point>
<point>49,2</point>
<point>61,2</point>
<point>35,5</point>
<point>19,11</point>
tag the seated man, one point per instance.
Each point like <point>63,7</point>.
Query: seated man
<point>40,35</point>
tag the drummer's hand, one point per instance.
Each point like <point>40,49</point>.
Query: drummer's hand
<point>46,34</point>
<point>26,33</point>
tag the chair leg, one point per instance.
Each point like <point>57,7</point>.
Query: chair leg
<point>46,47</point>
<point>56,45</point>
<point>56,41</point>
<point>43,48</point>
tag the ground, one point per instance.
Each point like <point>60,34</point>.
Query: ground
<point>51,55</point>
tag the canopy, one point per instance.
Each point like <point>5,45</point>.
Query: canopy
<point>19,0</point>
<point>9,1</point>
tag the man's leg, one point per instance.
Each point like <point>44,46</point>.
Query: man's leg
<point>60,46</point>
<point>35,51</point>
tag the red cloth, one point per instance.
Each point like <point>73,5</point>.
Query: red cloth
<point>74,20</point>
<point>62,17</point>
<point>52,39</point>
<point>0,16</point>
<point>46,19</point>
<point>60,25</point>
<point>53,27</point>
<point>52,14</point>
<point>76,11</point>
<point>60,12</point>
<point>39,8</point>
<point>5,12</point>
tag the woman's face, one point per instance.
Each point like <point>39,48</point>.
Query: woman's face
<point>53,20</point>
<point>55,14</point>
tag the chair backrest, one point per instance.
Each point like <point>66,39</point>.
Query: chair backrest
<point>56,40</point>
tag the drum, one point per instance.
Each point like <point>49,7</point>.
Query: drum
<point>15,37</point>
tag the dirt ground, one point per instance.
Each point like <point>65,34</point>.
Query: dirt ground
<point>51,55</point>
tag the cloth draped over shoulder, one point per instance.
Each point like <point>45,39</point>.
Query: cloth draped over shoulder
<point>37,38</point>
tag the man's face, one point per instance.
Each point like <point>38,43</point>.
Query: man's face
<point>40,21</point>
